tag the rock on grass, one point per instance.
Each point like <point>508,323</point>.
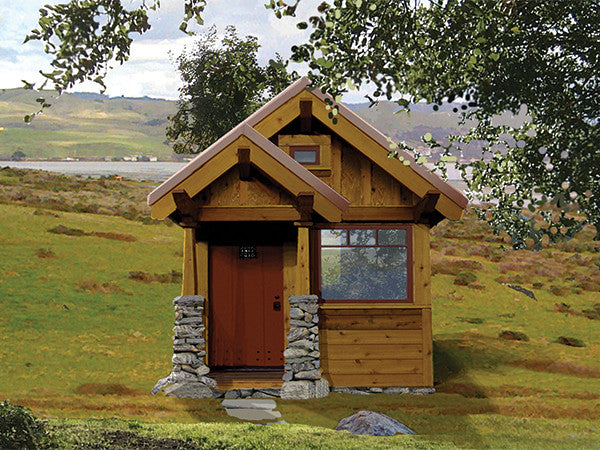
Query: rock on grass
<point>508,335</point>
<point>372,423</point>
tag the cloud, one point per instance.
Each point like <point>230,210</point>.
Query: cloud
<point>149,70</point>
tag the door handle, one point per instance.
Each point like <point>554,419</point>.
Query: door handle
<point>276,306</point>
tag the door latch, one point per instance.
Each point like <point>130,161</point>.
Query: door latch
<point>276,306</point>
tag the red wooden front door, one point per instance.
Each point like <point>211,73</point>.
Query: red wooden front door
<point>246,306</point>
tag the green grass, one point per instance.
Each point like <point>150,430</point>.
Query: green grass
<point>80,339</point>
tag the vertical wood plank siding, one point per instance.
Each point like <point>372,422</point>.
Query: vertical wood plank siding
<point>376,347</point>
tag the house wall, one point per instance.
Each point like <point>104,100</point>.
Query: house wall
<point>382,345</point>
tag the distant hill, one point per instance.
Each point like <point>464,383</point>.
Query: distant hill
<point>84,125</point>
<point>95,125</point>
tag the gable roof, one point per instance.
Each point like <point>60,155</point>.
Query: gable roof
<point>221,156</point>
<point>284,108</point>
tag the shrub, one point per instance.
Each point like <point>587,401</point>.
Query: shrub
<point>508,335</point>
<point>464,278</point>
<point>570,341</point>
<point>19,428</point>
<point>61,229</point>
<point>45,253</point>
<point>562,307</point>
<point>453,267</point>
<point>593,313</point>
<point>557,290</point>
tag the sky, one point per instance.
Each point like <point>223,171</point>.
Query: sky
<point>149,71</point>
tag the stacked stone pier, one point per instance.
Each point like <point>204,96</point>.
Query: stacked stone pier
<point>188,378</point>
<point>302,377</point>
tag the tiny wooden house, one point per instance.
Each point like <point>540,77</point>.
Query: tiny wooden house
<point>288,204</point>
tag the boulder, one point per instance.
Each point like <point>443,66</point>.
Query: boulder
<point>296,313</point>
<point>297,333</point>
<point>298,390</point>
<point>372,423</point>
<point>321,388</point>
<point>189,390</point>
<point>295,352</point>
<point>189,300</point>
<point>298,299</point>
<point>308,375</point>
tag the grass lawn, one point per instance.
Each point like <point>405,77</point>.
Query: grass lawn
<point>82,343</point>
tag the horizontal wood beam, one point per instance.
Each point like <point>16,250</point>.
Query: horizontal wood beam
<point>186,206</point>
<point>379,213</point>
<point>249,213</point>
<point>426,206</point>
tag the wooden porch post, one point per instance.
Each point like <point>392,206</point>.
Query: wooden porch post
<point>189,285</point>
<point>303,262</point>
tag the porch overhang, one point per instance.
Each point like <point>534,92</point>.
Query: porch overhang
<point>243,146</point>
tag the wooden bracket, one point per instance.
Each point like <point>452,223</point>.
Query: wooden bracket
<point>304,204</point>
<point>423,210</point>
<point>244,163</point>
<point>186,207</point>
<point>305,115</point>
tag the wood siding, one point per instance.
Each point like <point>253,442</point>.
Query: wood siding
<point>376,347</point>
<point>229,190</point>
<point>366,184</point>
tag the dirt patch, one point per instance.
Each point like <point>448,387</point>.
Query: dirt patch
<point>45,253</point>
<point>147,277</point>
<point>570,341</point>
<point>563,368</point>
<point>129,440</point>
<point>508,335</point>
<point>61,229</point>
<point>93,286</point>
<point>113,236</point>
<point>473,391</point>
<point>449,266</point>
<point>104,389</point>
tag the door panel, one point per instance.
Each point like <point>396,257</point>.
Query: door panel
<point>245,330</point>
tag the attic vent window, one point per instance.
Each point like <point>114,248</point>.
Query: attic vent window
<point>248,252</point>
<point>305,154</point>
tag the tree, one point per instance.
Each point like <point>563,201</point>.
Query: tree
<point>223,84</point>
<point>495,55</point>
<point>85,37</point>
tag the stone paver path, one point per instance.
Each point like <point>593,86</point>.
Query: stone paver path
<point>252,409</point>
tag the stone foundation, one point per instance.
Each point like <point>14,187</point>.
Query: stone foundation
<point>386,390</point>
<point>302,377</point>
<point>188,379</point>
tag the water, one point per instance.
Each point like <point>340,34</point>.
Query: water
<point>138,170</point>
<point>150,171</point>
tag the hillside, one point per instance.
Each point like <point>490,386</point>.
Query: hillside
<point>86,332</point>
<point>95,125</point>
<point>84,125</point>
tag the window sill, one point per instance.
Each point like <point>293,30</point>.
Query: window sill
<point>374,305</point>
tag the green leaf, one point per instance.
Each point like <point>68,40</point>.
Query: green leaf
<point>302,25</point>
<point>494,56</point>
<point>427,137</point>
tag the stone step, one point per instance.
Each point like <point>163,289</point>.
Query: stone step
<point>248,403</point>
<point>253,414</point>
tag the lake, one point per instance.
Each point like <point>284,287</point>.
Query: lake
<point>150,171</point>
<point>138,170</point>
